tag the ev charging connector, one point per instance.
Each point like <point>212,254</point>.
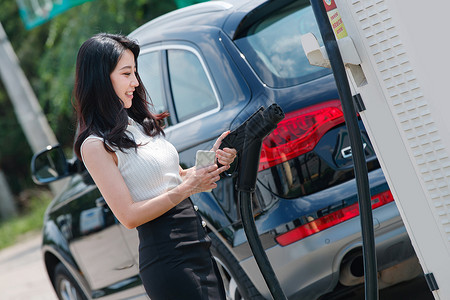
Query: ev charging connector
<point>247,140</point>
<point>258,127</point>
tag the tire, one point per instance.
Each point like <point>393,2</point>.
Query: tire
<point>65,285</point>
<point>236,282</point>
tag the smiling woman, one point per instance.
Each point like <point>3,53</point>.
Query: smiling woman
<point>123,78</point>
<point>137,171</point>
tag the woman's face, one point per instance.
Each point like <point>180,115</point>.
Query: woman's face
<point>123,78</point>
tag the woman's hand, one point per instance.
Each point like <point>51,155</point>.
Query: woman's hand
<point>204,179</point>
<point>226,156</point>
<point>200,180</point>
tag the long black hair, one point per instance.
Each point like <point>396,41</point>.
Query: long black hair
<point>99,110</point>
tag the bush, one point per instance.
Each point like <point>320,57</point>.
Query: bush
<point>29,221</point>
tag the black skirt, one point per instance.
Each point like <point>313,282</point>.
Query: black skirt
<point>174,257</point>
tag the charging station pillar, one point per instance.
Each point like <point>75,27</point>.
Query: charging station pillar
<point>404,51</point>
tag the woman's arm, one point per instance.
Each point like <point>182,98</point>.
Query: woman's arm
<point>108,179</point>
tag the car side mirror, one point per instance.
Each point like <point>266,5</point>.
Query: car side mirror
<point>49,165</point>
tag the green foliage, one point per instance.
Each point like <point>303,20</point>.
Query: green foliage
<point>47,55</point>
<point>29,221</point>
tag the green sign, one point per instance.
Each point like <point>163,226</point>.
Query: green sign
<point>183,3</point>
<point>37,12</point>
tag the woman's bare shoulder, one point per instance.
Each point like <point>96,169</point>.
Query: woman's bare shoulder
<point>92,146</point>
<point>94,149</point>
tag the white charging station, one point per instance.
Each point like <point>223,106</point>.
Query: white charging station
<point>397,55</point>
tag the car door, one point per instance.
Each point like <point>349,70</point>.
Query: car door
<point>96,239</point>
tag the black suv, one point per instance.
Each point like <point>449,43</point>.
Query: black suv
<point>211,66</point>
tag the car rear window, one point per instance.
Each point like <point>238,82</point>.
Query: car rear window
<point>272,46</point>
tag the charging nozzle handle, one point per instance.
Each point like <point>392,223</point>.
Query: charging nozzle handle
<point>248,167</point>
<point>258,127</point>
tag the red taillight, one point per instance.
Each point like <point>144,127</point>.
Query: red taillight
<point>299,132</point>
<point>330,220</point>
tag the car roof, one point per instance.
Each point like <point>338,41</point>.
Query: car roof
<point>226,15</point>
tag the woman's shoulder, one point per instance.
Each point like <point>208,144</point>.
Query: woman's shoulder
<point>92,142</point>
<point>93,151</point>
<point>92,139</point>
<point>92,147</point>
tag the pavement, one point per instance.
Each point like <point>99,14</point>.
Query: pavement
<point>22,271</point>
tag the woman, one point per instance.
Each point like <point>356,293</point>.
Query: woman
<point>137,171</point>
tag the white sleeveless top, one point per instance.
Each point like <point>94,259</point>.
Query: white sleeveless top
<point>150,170</point>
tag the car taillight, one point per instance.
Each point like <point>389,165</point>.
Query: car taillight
<point>299,132</point>
<point>330,220</point>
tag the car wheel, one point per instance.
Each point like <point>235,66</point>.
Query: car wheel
<point>237,284</point>
<point>66,287</point>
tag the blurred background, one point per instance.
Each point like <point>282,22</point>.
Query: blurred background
<point>44,45</point>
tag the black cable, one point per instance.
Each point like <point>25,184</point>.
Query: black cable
<point>359,160</point>
<point>245,208</point>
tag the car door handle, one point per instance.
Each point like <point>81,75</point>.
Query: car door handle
<point>125,266</point>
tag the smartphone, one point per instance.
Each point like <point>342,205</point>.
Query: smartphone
<point>205,158</point>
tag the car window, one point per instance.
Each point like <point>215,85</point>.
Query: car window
<point>150,73</point>
<point>192,92</point>
<point>273,47</point>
